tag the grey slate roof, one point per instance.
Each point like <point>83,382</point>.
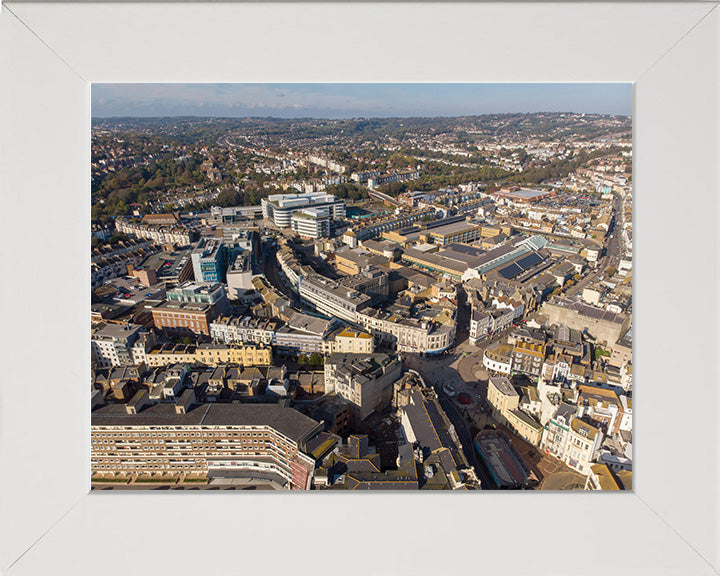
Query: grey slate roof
<point>566,411</point>
<point>503,385</point>
<point>430,426</point>
<point>287,421</point>
<point>589,311</point>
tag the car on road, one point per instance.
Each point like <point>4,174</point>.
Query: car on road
<point>449,390</point>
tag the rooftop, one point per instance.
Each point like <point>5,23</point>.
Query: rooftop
<point>379,246</point>
<point>587,310</point>
<point>167,263</point>
<point>370,365</point>
<point>531,348</point>
<point>452,228</point>
<point>359,257</point>
<point>191,287</point>
<point>522,193</point>
<point>350,333</point>
<point>584,429</point>
<point>503,385</point>
<point>605,477</point>
<point>307,323</point>
<point>117,331</point>
<point>602,394</point>
<point>430,426</point>
<point>207,247</point>
<point>505,465</point>
<point>500,351</point>
<point>527,419</point>
<point>300,200</point>
<point>435,260</point>
<point>183,306</point>
<point>332,287</point>
<point>311,214</point>
<point>287,421</point>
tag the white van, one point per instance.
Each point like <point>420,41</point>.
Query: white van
<point>449,390</point>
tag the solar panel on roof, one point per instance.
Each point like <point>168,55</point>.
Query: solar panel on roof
<point>530,260</point>
<point>463,249</point>
<point>510,271</point>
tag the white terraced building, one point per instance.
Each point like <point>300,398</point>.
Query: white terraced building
<point>112,344</point>
<point>311,223</point>
<point>330,298</point>
<point>280,207</point>
<point>407,334</point>
<point>229,330</point>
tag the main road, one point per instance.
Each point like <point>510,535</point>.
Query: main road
<point>468,446</point>
<point>462,369</point>
<point>613,250</point>
<point>272,271</point>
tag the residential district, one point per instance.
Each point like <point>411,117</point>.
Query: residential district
<point>318,305</point>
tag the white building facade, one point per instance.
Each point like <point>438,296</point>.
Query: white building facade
<point>280,207</point>
<point>311,223</point>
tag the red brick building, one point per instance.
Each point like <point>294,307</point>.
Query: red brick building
<point>184,317</point>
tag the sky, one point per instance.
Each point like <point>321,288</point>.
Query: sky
<point>355,100</point>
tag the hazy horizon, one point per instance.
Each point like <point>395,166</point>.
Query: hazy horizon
<point>355,101</point>
<point>196,117</point>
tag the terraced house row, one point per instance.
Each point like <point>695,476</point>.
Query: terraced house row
<point>209,354</point>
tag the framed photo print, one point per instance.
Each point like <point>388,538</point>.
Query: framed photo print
<point>460,258</point>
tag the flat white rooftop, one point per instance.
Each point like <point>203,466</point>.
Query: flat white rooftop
<point>299,200</point>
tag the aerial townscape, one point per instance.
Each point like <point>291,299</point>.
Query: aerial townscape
<point>423,303</point>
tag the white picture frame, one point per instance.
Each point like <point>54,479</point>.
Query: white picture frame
<point>49,522</point>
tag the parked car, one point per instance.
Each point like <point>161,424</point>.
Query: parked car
<point>449,390</point>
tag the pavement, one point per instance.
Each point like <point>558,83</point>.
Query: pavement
<point>468,446</point>
<point>463,370</point>
<point>272,271</point>
<point>613,251</point>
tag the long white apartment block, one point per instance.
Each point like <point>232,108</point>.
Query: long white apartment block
<point>311,223</point>
<point>280,207</point>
